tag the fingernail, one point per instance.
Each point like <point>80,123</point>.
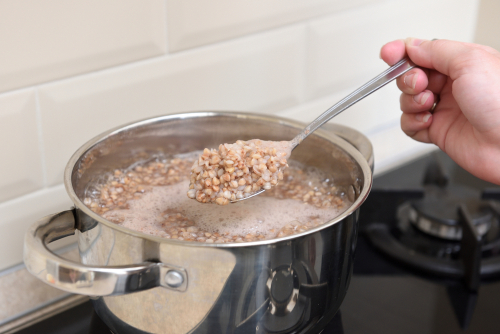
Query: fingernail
<point>422,97</point>
<point>411,80</point>
<point>414,41</point>
<point>423,118</point>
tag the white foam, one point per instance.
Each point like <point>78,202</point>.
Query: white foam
<point>258,215</point>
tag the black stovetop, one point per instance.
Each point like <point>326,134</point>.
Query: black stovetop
<point>384,296</point>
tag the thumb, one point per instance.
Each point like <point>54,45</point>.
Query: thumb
<point>439,55</point>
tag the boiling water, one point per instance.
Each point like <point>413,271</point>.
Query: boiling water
<point>152,198</point>
<point>262,215</point>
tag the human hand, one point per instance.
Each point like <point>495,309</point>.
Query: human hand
<point>464,79</point>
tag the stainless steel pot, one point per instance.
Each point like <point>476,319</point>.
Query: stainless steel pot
<point>145,284</point>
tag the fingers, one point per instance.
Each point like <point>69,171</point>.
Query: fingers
<point>416,80</point>
<point>441,55</point>
<point>416,118</point>
<point>436,81</point>
<point>413,82</point>
<point>417,125</point>
<point>460,72</point>
<point>447,57</point>
<point>417,103</point>
<point>393,52</point>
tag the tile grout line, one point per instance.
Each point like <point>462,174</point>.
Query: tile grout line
<point>41,146</point>
<point>382,127</point>
<point>30,195</point>
<point>105,70</point>
<point>177,53</point>
<point>165,12</point>
<point>303,72</point>
<point>16,91</point>
<point>146,61</point>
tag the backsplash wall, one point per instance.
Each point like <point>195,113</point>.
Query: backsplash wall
<point>70,70</point>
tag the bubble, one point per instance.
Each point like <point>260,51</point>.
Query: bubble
<point>144,213</point>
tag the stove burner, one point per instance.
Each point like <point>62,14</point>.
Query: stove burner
<point>440,229</point>
<point>437,214</point>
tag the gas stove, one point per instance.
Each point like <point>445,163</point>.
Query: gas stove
<point>428,253</point>
<point>427,258</point>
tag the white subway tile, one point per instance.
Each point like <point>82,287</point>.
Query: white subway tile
<point>46,40</point>
<point>198,22</point>
<point>392,148</point>
<point>365,116</point>
<point>455,19</point>
<point>259,73</point>
<point>21,166</point>
<point>17,215</point>
<point>377,116</point>
<point>488,24</point>
<point>343,49</point>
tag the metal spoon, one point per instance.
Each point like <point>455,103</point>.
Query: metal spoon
<point>393,72</point>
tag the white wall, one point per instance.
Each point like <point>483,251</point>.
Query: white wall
<point>72,69</point>
<point>488,24</point>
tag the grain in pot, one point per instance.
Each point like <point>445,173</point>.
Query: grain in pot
<point>150,198</point>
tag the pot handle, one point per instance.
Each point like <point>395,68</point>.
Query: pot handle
<point>89,280</point>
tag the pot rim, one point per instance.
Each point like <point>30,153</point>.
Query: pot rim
<point>343,144</point>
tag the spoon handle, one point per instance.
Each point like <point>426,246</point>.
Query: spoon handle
<point>393,72</point>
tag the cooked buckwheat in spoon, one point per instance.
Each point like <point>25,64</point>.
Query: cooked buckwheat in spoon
<point>237,171</point>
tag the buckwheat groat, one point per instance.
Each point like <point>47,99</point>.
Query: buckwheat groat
<point>149,197</point>
<point>238,170</point>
